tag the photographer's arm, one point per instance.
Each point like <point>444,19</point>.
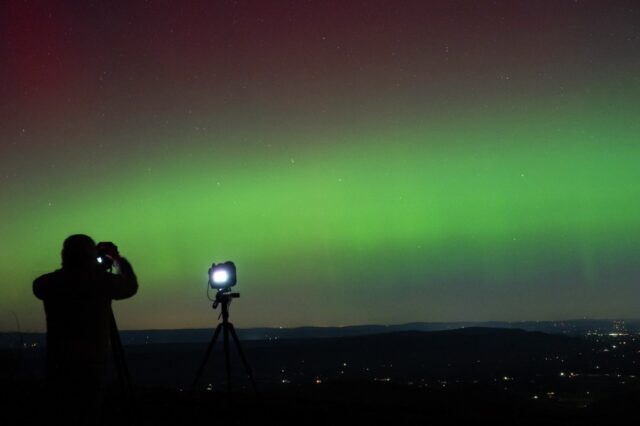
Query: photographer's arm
<point>40,288</point>
<point>44,286</point>
<point>125,284</point>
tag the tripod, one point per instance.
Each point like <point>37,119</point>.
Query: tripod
<point>122,371</point>
<point>223,298</point>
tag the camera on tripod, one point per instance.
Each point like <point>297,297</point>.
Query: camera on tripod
<point>222,277</point>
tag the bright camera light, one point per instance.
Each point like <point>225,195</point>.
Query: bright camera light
<point>220,276</point>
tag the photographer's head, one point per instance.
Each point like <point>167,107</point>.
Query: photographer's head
<point>79,252</point>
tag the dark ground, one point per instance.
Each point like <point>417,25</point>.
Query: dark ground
<point>472,376</point>
<point>348,402</point>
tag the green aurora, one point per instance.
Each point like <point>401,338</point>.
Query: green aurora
<point>522,219</point>
<point>452,161</point>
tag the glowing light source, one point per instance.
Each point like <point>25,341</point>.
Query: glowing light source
<point>220,276</point>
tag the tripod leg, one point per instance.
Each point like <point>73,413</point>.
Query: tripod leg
<point>123,371</point>
<point>227,357</point>
<point>247,367</point>
<point>206,357</point>
<point>117,361</point>
<point>121,364</point>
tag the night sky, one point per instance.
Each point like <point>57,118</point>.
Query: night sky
<point>361,162</point>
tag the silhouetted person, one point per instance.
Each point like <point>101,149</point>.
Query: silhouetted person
<point>77,303</point>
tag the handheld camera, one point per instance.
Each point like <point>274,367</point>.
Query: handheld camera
<point>107,253</point>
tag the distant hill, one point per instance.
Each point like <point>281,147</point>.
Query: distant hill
<point>137,337</point>
<point>571,328</point>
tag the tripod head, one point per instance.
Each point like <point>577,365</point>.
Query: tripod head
<point>224,296</point>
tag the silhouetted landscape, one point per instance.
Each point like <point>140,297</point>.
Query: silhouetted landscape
<point>398,189</point>
<point>502,375</point>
